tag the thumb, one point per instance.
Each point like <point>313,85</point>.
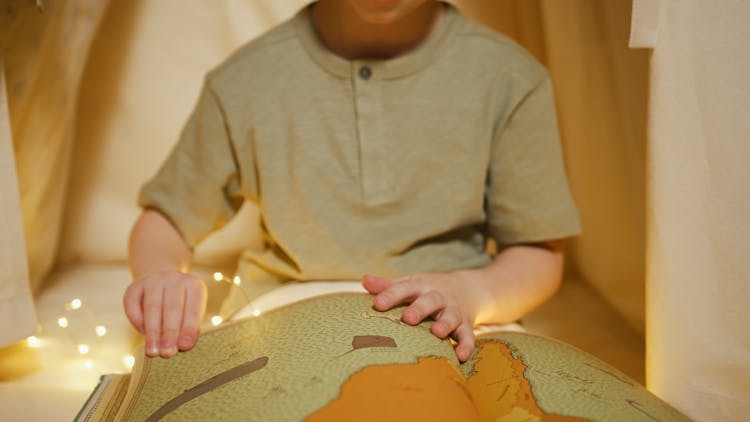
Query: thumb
<point>374,284</point>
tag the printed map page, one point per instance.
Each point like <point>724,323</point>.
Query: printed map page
<point>335,358</point>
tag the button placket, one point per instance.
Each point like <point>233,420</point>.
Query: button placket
<point>376,180</point>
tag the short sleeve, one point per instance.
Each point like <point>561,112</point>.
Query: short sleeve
<point>528,198</point>
<point>198,186</point>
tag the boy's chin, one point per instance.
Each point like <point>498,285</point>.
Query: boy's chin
<point>384,12</point>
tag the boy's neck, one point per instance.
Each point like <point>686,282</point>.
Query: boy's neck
<point>347,35</point>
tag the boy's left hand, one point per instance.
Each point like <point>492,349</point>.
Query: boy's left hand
<point>446,297</point>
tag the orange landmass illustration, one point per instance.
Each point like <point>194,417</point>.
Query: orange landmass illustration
<point>431,389</point>
<point>500,390</point>
<point>434,390</point>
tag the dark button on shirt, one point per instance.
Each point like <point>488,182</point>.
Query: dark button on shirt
<point>365,72</point>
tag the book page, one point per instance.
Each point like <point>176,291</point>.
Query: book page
<point>323,358</point>
<point>519,376</point>
<point>105,400</point>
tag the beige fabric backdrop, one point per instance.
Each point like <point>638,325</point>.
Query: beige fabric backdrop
<point>17,319</point>
<point>131,110</point>
<point>45,48</point>
<point>698,343</point>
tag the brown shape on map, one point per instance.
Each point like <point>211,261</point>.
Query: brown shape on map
<point>361,342</point>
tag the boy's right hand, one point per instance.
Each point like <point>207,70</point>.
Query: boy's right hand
<point>166,306</point>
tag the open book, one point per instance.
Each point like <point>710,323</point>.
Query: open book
<point>334,358</point>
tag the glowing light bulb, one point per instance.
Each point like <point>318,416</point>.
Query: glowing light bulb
<point>33,341</point>
<point>218,276</point>
<point>101,330</point>
<point>62,322</point>
<point>83,349</point>
<point>216,320</point>
<point>129,361</point>
<point>256,312</point>
<point>237,280</point>
<point>75,304</point>
<point>88,364</point>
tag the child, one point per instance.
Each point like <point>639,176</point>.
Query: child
<point>382,140</point>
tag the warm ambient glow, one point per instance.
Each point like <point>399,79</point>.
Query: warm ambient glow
<point>83,349</point>
<point>101,330</point>
<point>129,361</point>
<point>62,322</point>
<point>33,341</point>
<point>218,276</point>
<point>88,364</point>
<point>216,320</point>
<point>75,304</point>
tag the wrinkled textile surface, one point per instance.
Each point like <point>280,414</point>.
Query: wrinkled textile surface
<point>698,342</point>
<point>17,318</point>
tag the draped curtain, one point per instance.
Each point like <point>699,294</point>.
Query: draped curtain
<point>15,295</point>
<point>44,48</point>
<point>698,328</point>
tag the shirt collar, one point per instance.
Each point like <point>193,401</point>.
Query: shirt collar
<point>388,69</point>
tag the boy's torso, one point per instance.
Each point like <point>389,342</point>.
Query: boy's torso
<point>349,158</point>
<point>383,167</point>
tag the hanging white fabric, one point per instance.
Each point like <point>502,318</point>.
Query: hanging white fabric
<point>17,318</point>
<point>698,199</point>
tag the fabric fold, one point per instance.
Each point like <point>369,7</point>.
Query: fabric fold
<point>17,317</point>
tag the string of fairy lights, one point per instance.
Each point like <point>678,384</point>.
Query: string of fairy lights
<point>85,349</point>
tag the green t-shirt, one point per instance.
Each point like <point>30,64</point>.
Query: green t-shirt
<point>371,166</point>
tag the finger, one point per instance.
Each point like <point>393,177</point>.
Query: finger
<point>448,320</point>
<point>464,335</point>
<point>374,284</point>
<point>132,300</point>
<point>195,307</point>
<point>152,303</point>
<point>422,307</point>
<point>402,292</point>
<point>171,320</point>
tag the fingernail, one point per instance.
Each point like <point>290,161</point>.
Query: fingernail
<point>185,341</point>
<point>152,349</point>
<point>413,315</point>
<point>408,314</point>
<point>169,349</point>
